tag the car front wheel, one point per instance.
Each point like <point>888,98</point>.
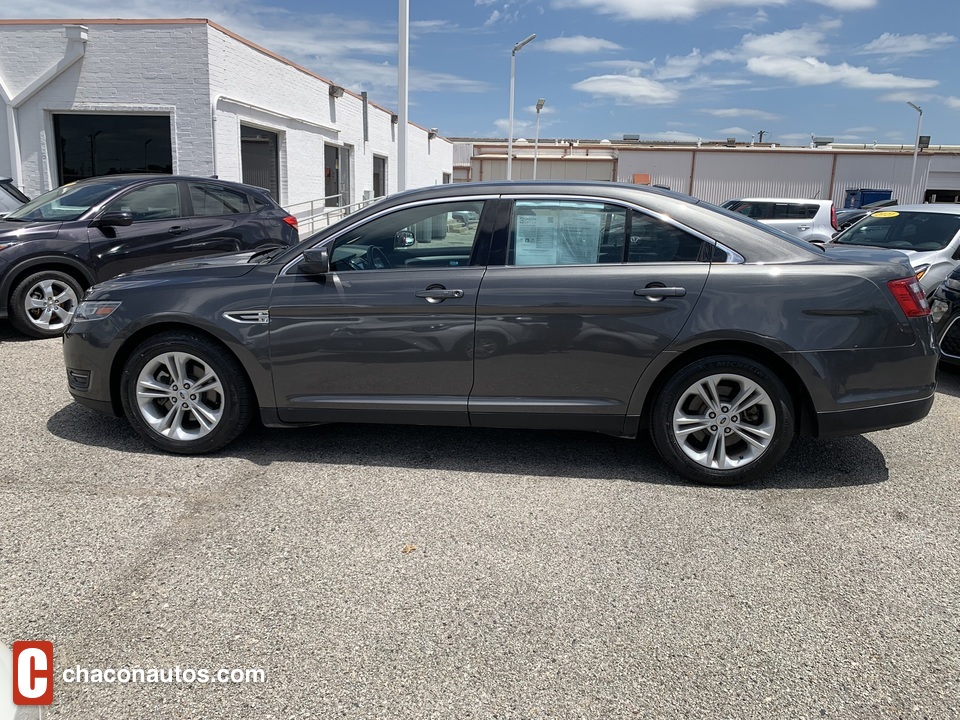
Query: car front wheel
<point>184,393</point>
<point>43,303</point>
<point>723,420</point>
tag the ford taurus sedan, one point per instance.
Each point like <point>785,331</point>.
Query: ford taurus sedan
<point>576,306</point>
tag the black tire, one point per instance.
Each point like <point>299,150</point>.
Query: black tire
<point>155,389</point>
<point>42,304</point>
<point>727,447</point>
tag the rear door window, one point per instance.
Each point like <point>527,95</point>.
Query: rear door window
<point>213,200</point>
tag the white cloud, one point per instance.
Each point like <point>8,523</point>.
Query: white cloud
<point>742,112</point>
<point>905,45</point>
<point>688,9</point>
<point>730,131</point>
<point>578,44</point>
<point>494,16</point>
<point>800,42</point>
<point>629,67</point>
<point>680,66</point>
<point>628,90</point>
<point>952,102</point>
<point>810,71</point>
<point>503,126</point>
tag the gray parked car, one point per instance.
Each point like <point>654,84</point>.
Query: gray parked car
<point>929,235</point>
<point>576,306</point>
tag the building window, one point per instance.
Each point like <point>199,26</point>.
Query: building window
<point>379,176</point>
<point>90,145</point>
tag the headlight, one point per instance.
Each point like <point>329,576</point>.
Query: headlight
<point>938,308</point>
<point>922,270</point>
<point>95,310</point>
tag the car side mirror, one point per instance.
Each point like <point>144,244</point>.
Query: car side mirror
<point>403,239</point>
<point>114,219</point>
<point>316,261</point>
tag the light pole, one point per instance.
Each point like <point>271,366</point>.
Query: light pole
<point>916,147</point>
<point>403,94</point>
<point>513,73</point>
<point>536,138</point>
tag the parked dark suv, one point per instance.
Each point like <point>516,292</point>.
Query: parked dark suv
<point>576,306</point>
<point>61,243</point>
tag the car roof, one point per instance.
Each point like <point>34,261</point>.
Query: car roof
<point>141,177</point>
<point>779,200</point>
<point>942,208</point>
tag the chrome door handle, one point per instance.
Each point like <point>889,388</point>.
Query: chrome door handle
<point>439,294</point>
<point>177,230</point>
<point>660,292</point>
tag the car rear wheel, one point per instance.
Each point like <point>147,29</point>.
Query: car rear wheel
<point>184,393</point>
<point>43,304</point>
<point>723,420</point>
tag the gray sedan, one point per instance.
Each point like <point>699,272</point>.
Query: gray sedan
<point>578,306</point>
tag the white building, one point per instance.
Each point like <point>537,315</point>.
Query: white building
<point>87,97</point>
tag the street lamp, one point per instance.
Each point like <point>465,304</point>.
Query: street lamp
<point>536,139</point>
<point>513,73</point>
<point>916,147</point>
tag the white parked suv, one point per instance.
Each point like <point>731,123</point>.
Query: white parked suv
<point>810,220</point>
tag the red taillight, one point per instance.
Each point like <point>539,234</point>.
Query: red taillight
<point>833,217</point>
<point>910,297</point>
<point>291,221</point>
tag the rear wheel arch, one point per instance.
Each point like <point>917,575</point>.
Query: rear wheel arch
<point>802,403</point>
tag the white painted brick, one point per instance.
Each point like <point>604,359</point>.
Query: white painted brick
<point>182,69</point>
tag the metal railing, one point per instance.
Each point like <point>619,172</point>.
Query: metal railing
<point>315,215</point>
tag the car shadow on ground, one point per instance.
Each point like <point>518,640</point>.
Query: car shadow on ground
<point>948,380</point>
<point>8,334</point>
<point>810,463</point>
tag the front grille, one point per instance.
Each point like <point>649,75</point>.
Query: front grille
<point>950,342</point>
<point>78,379</point>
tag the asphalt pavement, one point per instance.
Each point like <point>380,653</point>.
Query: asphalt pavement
<point>408,572</point>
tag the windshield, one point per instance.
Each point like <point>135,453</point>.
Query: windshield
<point>65,203</point>
<point>917,231</point>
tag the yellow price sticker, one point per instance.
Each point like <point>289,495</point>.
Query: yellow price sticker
<point>885,213</point>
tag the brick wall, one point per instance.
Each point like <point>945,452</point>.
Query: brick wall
<point>208,82</point>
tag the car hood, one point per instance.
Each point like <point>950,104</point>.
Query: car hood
<point>13,230</point>
<point>228,265</point>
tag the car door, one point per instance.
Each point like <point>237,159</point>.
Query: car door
<point>587,311</point>
<point>388,334</point>
<point>159,232</point>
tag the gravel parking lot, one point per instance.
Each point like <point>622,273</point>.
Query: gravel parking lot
<point>384,572</point>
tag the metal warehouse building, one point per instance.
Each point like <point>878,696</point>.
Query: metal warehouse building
<point>716,172</point>
<point>89,97</point>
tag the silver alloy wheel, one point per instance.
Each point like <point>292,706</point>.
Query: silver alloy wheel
<point>50,304</point>
<point>724,421</point>
<point>180,396</point>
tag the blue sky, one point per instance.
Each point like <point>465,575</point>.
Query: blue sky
<point>661,69</point>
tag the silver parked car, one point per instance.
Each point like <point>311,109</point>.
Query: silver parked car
<point>929,235</point>
<point>811,220</point>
